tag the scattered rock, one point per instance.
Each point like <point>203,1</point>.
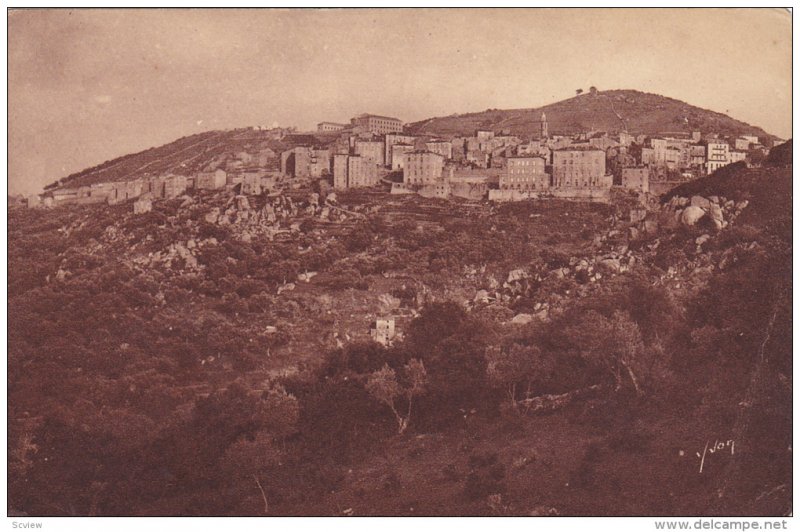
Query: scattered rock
<point>691,215</point>
<point>715,212</point>
<point>610,265</point>
<point>700,201</point>
<point>702,239</point>
<point>482,296</point>
<point>521,319</point>
<point>516,275</point>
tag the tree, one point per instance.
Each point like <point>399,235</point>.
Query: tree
<point>383,386</point>
<point>578,92</point>
<point>614,344</point>
<point>508,368</point>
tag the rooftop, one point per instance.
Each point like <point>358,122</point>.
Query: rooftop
<point>368,115</point>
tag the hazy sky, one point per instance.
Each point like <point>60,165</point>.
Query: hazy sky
<point>90,85</point>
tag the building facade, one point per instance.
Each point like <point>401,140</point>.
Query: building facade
<point>399,151</point>
<point>353,171</point>
<point>379,125</point>
<point>390,139</point>
<point>442,147</point>
<point>371,149</point>
<point>422,168</point>
<point>303,162</point>
<point>211,180</point>
<point>525,173</point>
<point>574,167</point>
<point>636,178</point>
<point>330,126</point>
<point>717,155</point>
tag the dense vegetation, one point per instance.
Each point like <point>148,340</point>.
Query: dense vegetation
<point>152,390</point>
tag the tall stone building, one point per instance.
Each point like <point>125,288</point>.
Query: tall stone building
<point>579,167</point>
<point>525,173</point>
<point>353,171</point>
<point>371,149</point>
<point>399,151</point>
<point>422,168</point>
<point>717,155</point>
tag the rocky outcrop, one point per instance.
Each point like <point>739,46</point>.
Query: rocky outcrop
<point>691,215</point>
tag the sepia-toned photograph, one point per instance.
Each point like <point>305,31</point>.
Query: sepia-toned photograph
<point>385,262</point>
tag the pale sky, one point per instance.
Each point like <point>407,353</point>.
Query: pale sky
<point>86,86</point>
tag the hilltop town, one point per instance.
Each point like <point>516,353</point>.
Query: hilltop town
<point>374,150</point>
<point>373,319</point>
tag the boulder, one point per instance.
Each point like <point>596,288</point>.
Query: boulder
<point>482,296</point>
<point>715,212</point>
<point>521,319</point>
<point>610,265</point>
<point>288,287</point>
<point>700,201</point>
<point>306,277</point>
<point>692,214</point>
<point>702,239</point>
<point>212,216</point>
<point>516,275</point>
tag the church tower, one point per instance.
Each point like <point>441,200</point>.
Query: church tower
<point>543,133</point>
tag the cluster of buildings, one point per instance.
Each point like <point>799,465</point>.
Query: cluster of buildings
<point>502,166</point>
<point>493,164</point>
<point>244,170</point>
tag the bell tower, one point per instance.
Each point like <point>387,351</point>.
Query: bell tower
<point>543,133</point>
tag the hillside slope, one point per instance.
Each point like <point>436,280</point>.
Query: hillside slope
<point>613,110</point>
<point>184,156</point>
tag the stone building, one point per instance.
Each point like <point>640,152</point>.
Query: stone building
<point>303,162</point>
<point>636,178</point>
<point>697,156</point>
<point>442,147</point>
<point>525,173</point>
<point>578,167</point>
<point>353,171</point>
<point>717,155</point>
<point>422,167</point>
<point>484,135</point>
<point>211,180</point>
<point>372,150</point>
<point>383,331</point>
<point>398,155</point>
<point>734,156</point>
<point>378,125</point>
<point>390,139</point>
<point>330,126</point>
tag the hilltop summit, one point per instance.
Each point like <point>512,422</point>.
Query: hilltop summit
<point>611,111</point>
